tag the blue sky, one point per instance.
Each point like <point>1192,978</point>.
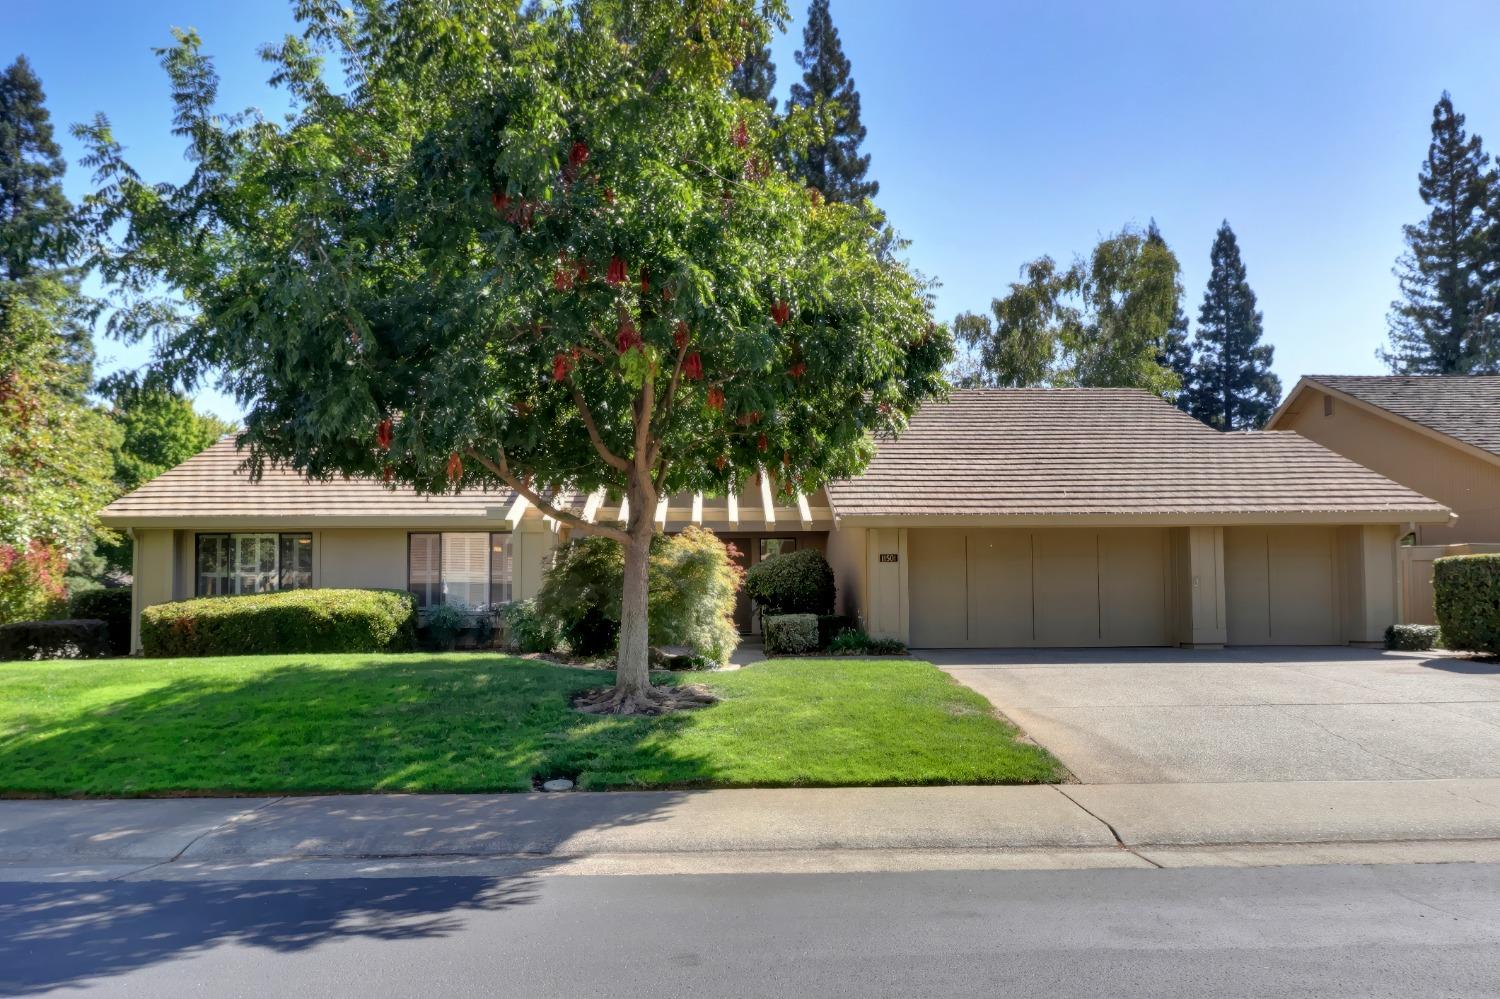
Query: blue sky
<point>1003,131</point>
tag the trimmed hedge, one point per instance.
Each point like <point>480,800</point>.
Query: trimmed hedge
<point>1413,637</point>
<point>790,634</point>
<point>1466,599</point>
<point>286,622</point>
<point>61,639</point>
<point>113,607</point>
<point>798,582</point>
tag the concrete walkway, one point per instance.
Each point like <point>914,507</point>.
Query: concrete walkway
<point>1072,825</point>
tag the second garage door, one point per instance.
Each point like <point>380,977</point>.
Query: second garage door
<point>994,588</point>
<point>1280,585</point>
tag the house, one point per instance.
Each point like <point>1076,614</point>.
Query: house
<point>1437,435</point>
<point>1004,517</point>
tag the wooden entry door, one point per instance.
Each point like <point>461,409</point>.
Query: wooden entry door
<point>739,552</point>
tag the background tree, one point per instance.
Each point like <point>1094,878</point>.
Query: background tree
<point>1444,322</point>
<point>1232,387</point>
<point>1177,348</point>
<point>830,160</point>
<point>552,254</point>
<point>1103,322</point>
<point>754,78</point>
<point>160,429</point>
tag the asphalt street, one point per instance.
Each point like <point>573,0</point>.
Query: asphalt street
<point>1380,930</point>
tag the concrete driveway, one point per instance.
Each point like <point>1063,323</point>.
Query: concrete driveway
<point>1245,714</point>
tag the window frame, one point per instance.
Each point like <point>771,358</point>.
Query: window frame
<point>229,571</point>
<point>439,588</point>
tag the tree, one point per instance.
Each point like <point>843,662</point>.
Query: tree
<point>159,430</point>
<point>1176,352</point>
<point>36,220</point>
<point>533,257</point>
<point>1444,322</point>
<point>1102,323</point>
<point>54,458</point>
<point>1232,387</point>
<point>831,161</point>
<point>754,78</point>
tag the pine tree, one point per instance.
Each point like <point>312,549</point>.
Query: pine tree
<point>36,220</point>
<point>34,213</point>
<point>1444,322</point>
<point>1176,353</point>
<point>1231,386</point>
<point>755,78</point>
<point>833,166</point>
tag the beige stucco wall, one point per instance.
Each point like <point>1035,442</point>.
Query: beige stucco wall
<point>1468,485</point>
<point>847,555</point>
<point>154,569</point>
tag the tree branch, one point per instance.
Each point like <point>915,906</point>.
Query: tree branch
<point>610,458</point>
<point>502,469</point>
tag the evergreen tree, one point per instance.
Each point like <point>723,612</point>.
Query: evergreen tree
<point>1176,353</point>
<point>1231,386</point>
<point>834,164</point>
<point>755,78</point>
<point>36,220</point>
<point>1444,322</point>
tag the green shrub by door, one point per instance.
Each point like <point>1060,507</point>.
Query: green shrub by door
<point>289,621</point>
<point>1466,600</point>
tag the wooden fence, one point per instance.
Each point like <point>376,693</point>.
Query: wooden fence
<point>1416,576</point>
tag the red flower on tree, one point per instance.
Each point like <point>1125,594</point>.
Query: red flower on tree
<point>455,467</point>
<point>500,200</point>
<point>561,363</point>
<point>383,434</point>
<point>387,474</point>
<point>692,367</point>
<point>741,134</point>
<point>578,155</point>
<point>751,417</point>
<point>616,274</point>
<point>680,334</point>
<point>797,370</point>
<point>716,399</point>
<point>581,275</point>
<point>781,311</point>
<point>627,336</point>
<point>761,443</point>
<point>562,277</point>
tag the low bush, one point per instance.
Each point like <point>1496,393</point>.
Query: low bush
<point>790,634</point>
<point>1413,637</point>
<point>443,624</point>
<point>1466,600</point>
<point>854,642</point>
<point>798,582</point>
<point>525,628</point>
<point>113,607</point>
<point>57,639</point>
<point>693,583</point>
<point>290,621</point>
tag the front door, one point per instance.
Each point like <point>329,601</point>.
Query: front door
<point>739,552</point>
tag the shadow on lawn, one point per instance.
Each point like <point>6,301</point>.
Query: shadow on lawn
<point>402,723</point>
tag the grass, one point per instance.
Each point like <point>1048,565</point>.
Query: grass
<point>344,723</point>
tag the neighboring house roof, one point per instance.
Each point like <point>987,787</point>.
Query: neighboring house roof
<point>211,487</point>
<point>1463,407</point>
<point>1115,455</point>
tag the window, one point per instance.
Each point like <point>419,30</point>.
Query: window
<point>776,546</point>
<point>465,570</point>
<point>229,564</point>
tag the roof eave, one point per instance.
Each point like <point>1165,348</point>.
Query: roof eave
<point>1421,515</point>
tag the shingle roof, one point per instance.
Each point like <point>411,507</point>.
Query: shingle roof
<point>1464,407</point>
<point>1045,452</point>
<point>211,485</point>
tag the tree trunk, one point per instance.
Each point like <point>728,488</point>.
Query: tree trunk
<point>632,661</point>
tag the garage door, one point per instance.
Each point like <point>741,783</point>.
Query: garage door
<point>995,588</point>
<point>1281,587</point>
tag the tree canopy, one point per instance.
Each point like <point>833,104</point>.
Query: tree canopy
<point>1104,322</point>
<point>829,158</point>
<point>1447,320</point>
<point>542,247</point>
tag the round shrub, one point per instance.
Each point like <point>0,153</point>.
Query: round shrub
<point>798,582</point>
<point>111,605</point>
<point>444,623</point>
<point>287,622</point>
<point>790,634</point>
<point>525,628</point>
<point>1466,600</point>
<point>1413,637</point>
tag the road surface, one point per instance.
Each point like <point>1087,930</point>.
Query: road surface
<point>1397,930</point>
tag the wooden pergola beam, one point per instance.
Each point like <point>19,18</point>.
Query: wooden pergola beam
<point>517,510</point>
<point>698,509</point>
<point>804,510</point>
<point>765,498</point>
<point>592,504</point>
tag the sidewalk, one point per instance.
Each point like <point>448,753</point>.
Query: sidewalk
<point>838,829</point>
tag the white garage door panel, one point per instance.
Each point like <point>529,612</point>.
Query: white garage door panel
<point>937,589</point>
<point>1133,587</point>
<point>1065,571</point>
<point>999,588</point>
<point>1280,585</point>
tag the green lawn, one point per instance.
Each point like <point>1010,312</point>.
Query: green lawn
<point>271,724</point>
